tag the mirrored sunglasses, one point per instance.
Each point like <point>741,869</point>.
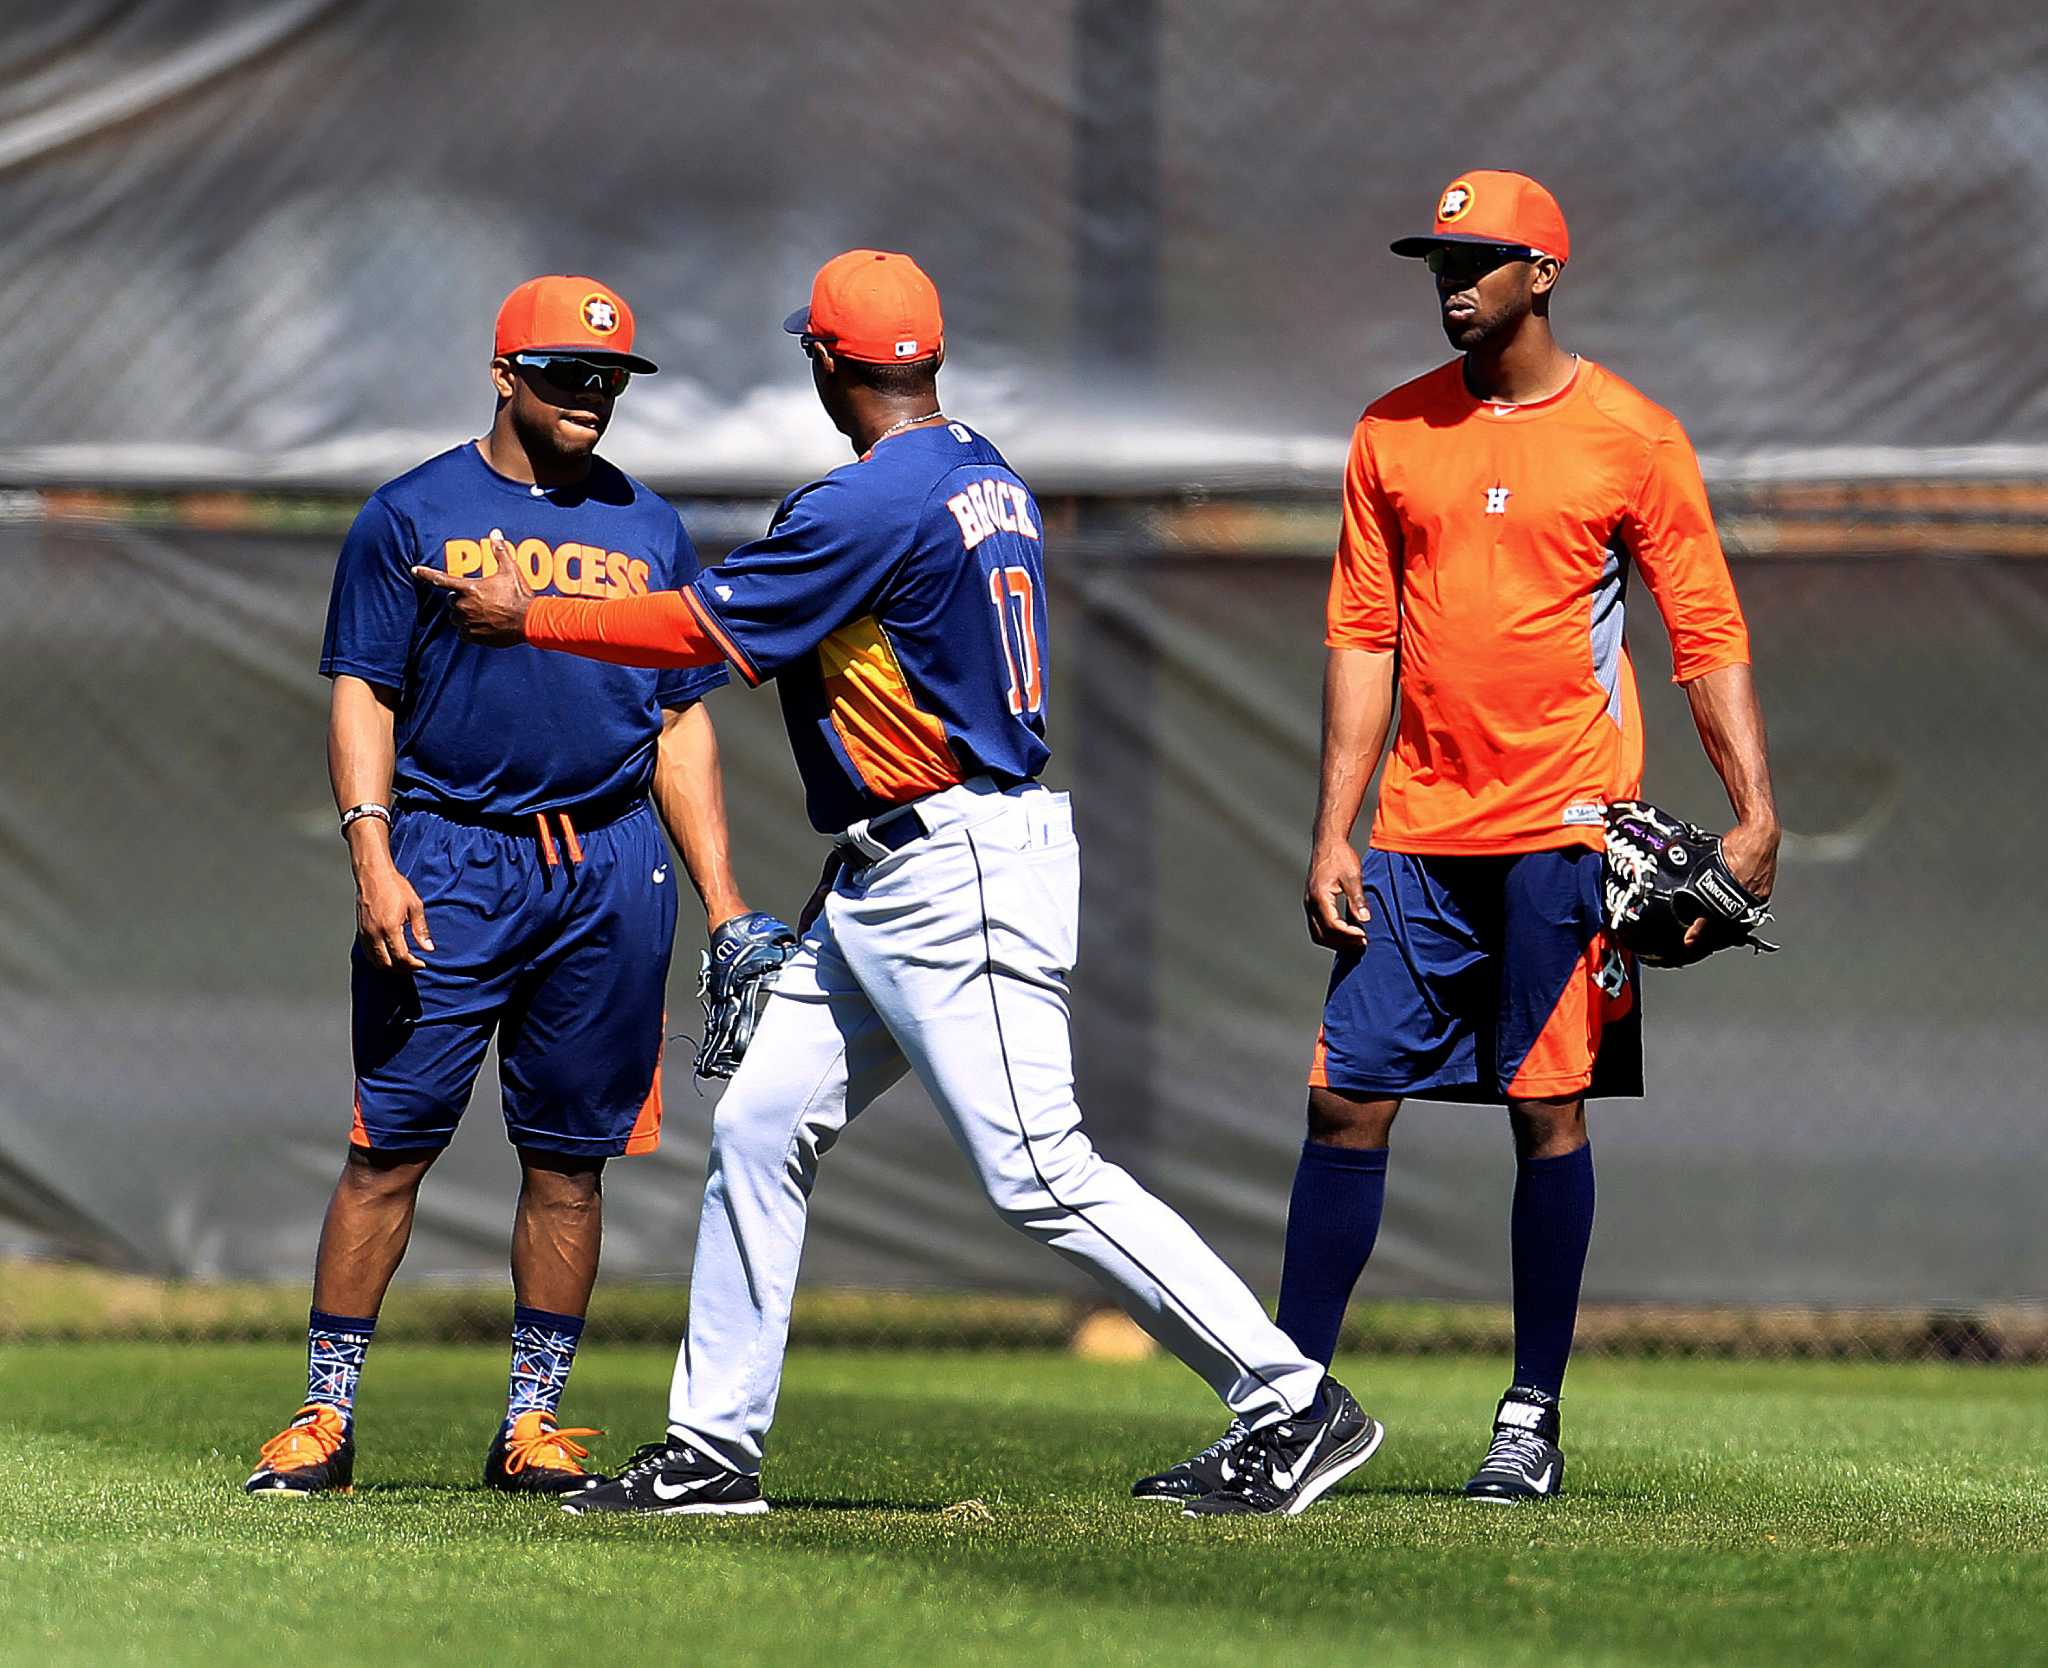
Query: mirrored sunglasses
<point>1475,259</point>
<point>567,374</point>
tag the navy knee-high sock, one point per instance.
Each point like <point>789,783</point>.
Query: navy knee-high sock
<point>1551,1227</point>
<point>1333,1217</point>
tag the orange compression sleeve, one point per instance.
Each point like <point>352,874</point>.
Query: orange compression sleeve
<point>659,629</point>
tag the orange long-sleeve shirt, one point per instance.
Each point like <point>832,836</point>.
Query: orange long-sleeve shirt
<point>1490,545</point>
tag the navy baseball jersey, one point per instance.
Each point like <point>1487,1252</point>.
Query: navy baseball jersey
<point>505,733</point>
<point>899,603</point>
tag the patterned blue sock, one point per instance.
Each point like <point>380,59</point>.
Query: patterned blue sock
<point>1333,1217</point>
<point>543,1349</point>
<point>335,1347</point>
<point>1550,1229</point>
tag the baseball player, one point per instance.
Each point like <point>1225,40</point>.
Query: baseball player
<point>511,880</point>
<point>900,605</point>
<point>1493,510</point>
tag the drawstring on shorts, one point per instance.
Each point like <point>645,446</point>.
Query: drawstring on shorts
<point>548,849</point>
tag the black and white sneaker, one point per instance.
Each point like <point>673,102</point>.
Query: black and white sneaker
<point>1525,1462</point>
<point>672,1478</point>
<point>1285,1467</point>
<point>1198,1474</point>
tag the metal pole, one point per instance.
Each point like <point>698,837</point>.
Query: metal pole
<point>1117,231</point>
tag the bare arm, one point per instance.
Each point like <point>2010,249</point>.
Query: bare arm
<point>1731,726</point>
<point>362,724</point>
<point>689,791</point>
<point>1358,707</point>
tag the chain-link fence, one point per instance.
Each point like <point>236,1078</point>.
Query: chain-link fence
<point>69,1302</point>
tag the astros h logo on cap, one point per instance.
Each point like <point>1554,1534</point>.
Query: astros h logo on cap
<point>872,305</point>
<point>1491,205</point>
<point>561,313</point>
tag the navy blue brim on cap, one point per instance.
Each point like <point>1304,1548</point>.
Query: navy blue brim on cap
<point>799,322</point>
<point>1422,245</point>
<point>598,356</point>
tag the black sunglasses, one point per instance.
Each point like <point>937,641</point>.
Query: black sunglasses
<point>1475,259</point>
<point>567,374</point>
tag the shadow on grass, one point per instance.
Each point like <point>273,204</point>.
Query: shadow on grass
<point>1402,1491</point>
<point>900,1508</point>
<point>389,1489</point>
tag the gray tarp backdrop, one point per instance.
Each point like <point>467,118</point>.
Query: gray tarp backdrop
<point>1855,1120</point>
<point>264,239</point>
<point>262,243</point>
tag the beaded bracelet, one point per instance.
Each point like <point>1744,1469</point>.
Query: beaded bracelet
<point>356,813</point>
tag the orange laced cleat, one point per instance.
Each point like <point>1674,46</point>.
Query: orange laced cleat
<point>314,1454</point>
<point>534,1455</point>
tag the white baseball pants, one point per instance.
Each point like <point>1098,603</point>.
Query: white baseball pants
<point>950,959</point>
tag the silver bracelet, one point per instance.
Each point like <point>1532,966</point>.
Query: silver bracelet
<point>356,813</point>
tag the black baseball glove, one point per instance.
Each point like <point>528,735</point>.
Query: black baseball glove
<point>1663,874</point>
<point>745,955</point>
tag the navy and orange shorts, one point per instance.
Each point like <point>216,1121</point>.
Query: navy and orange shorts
<point>1483,979</point>
<point>557,946</point>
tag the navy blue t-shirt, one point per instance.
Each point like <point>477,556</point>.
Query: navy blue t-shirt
<point>507,732</point>
<point>899,603</point>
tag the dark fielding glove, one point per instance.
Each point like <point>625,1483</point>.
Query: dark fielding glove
<point>745,955</point>
<point>1663,874</point>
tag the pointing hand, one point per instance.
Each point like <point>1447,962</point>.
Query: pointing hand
<point>491,609</point>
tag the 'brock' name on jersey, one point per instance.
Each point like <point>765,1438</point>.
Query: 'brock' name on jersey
<point>992,506</point>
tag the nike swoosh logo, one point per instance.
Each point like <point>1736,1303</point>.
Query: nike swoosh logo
<point>1287,1479</point>
<point>667,1491</point>
<point>1543,1482</point>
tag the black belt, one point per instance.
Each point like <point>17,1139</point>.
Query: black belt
<point>902,829</point>
<point>905,828</point>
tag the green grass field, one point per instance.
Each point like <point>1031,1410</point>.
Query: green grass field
<point>972,1507</point>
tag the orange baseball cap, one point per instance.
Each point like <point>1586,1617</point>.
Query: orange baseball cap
<point>1488,206</point>
<point>562,314</point>
<point>872,305</point>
